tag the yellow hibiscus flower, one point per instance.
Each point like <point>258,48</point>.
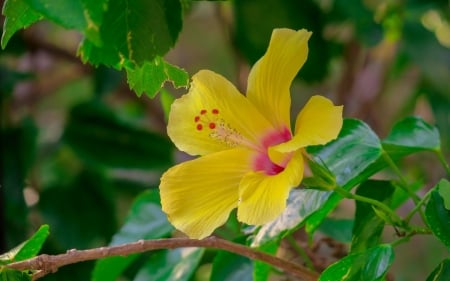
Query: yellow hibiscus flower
<point>250,159</point>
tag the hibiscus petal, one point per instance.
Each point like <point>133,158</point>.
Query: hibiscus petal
<point>319,122</point>
<point>214,116</point>
<point>271,77</point>
<point>198,195</point>
<point>262,198</point>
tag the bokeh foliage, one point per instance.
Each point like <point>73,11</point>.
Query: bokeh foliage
<point>82,154</point>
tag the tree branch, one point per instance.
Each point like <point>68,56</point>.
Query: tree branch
<point>45,264</point>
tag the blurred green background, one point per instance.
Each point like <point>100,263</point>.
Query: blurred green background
<point>77,146</point>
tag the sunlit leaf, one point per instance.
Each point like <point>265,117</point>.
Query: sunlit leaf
<point>368,265</point>
<point>170,265</point>
<point>368,225</point>
<point>151,76</point>
<point>18,14</point>
<point>441,272</point>
<point>27,249</point>
<point>437,215</point>
<point>145,221</point>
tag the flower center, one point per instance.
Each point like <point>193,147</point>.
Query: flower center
<point>212,123</point>
<point>262,161</point>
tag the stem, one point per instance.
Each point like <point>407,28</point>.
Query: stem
<point>301,252</point>
<point>443,161</point>
<point>418,206</point>
<point>407,237</point>
<point>45,264</point>
<point>403,183</point>
<point>394,217</point>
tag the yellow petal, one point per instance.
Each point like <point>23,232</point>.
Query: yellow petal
<point>214,116</point>
<point>198,195</point>
<point>262,198</point>
<point>271,77</point>
<point>319,122</point>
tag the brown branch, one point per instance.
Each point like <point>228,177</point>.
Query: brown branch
<point>45,264</point>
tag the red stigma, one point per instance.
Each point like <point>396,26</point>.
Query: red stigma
<point>197,118</point>
<point>203,111</point>
<point>215,111</point>
<point>212,125</point>
<point>199,127</point>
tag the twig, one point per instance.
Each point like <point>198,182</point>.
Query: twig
<point>45,264</point>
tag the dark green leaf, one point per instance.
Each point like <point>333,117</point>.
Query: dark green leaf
<point>18,15</point>
<point>7,274</point>
<point>410,135</point>
<point>83,15</point>
<point>368,225</point>
<point>441,272</point>
<point>255,21</point>
<point>133,32</point>
<point>338,229</point>
<point>438,217</point>
<point>151,76</point>
<point>99,136</point>
<point>170,265</point>
<point>369,265</point>
<point>145,221</point>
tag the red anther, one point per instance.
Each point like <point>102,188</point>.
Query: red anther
<point>215,111</point>
<point>199,127</point>
<point>197,118</point>
<point>212,125</point>
<point>203,111</point>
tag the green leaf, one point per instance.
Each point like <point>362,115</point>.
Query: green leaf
<point>338,229</point>
<point>301,203</point>
<point>145,221</point>
<point>100,137</point>
<point>368,226</point>
<point>410,135</point>
<point>170,265</point>
<point>151,76</point>
<point>18,14</point>
<point>444,191</point>
<point>27,249</point>
<point>350,158</point>
<point>438,217</point>
<point>261,270</point>
<point>83,15</point>
<point>133,32</point>
<point>7,274</point>
<point>441,272</point>
<point>369,265</point>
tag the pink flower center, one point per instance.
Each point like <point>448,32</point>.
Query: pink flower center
<point>262,162</point>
